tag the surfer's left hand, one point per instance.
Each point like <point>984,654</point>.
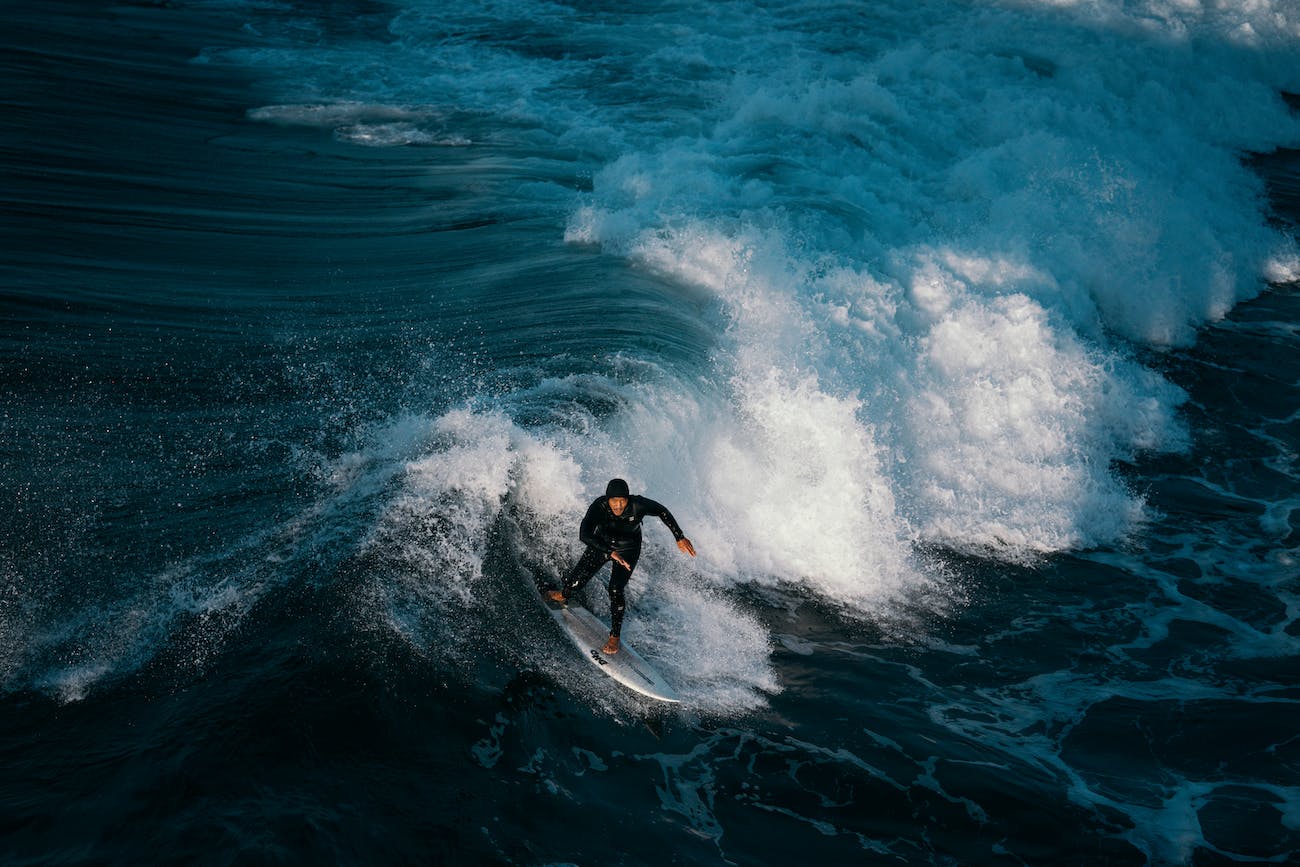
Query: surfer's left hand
<point>686,546</point>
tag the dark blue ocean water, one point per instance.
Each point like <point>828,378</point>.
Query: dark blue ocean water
<point>960,337</point>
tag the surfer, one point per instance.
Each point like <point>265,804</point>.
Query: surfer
<point>611,530</point>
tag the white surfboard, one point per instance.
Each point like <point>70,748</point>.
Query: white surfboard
<point>627,667</point>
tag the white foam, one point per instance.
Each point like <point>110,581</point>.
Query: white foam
<point>330,115</point>
<point>940,246</point>
<point>396,135</point>
<point>924,255</point>
<point>474,468</point>
<point>367,124</point>
<point>1250,23</point>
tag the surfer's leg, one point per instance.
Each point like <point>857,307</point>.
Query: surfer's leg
<point>617,581</point>
<point>582,571</point>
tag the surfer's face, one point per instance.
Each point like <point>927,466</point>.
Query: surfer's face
<point>617,504</point>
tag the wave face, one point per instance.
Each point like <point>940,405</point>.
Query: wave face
<point>939,238</point>
<point>955,335</point>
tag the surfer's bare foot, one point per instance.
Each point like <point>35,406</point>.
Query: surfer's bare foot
<point>611,646</point>
<point>555,595</point>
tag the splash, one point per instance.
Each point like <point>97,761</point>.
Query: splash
<point>939,254</point>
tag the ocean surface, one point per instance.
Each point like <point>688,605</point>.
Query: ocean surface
<point>962,338</point>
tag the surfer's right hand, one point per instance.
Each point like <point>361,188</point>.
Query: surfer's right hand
<point>618,558</point>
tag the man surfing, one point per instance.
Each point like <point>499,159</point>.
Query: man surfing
<point>611,530</point>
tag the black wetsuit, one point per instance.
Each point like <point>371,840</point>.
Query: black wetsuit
<point>605,533</point>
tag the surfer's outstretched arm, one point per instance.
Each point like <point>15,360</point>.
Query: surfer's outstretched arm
<point>660,511</point>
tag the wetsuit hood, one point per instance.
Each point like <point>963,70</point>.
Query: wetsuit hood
<point>617,488</point>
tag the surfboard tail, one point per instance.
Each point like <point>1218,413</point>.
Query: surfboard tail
<point>589,634</point>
